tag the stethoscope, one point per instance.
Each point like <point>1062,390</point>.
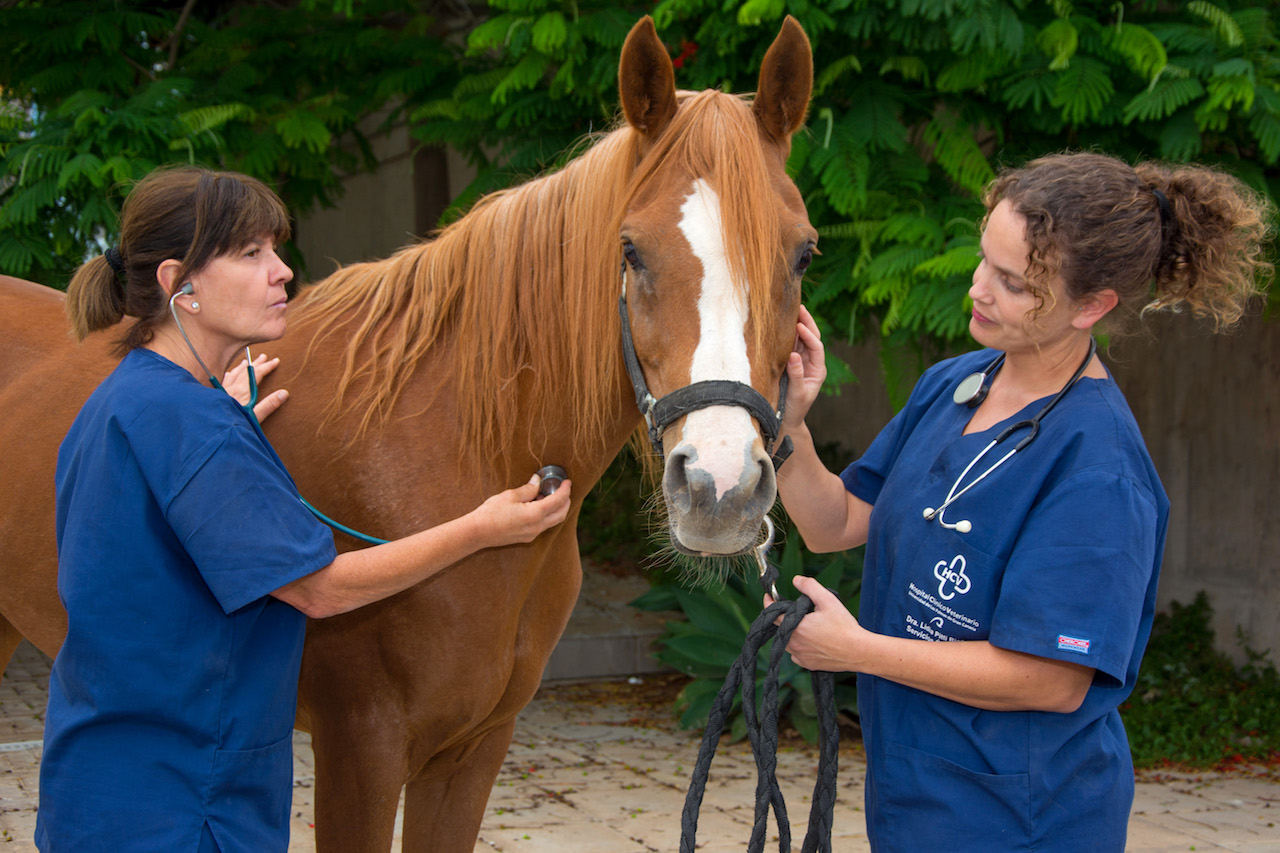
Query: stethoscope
<point>188,290</point>
<point>972,391</point>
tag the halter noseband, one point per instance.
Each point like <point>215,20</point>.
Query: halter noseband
<point>661,413</point>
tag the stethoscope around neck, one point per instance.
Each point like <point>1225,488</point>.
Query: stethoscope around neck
<point>972,391</point>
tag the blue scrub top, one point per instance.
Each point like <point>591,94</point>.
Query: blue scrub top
<point>1061,562</point>
<point>172,699</point>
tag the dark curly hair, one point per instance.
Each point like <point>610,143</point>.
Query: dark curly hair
<point>1161,236</point>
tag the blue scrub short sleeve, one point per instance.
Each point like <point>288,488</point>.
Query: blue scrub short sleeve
<point>1077,579</point>
<point>238,515</point>
<point>865,478</point>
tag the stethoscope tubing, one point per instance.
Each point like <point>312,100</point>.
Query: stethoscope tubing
<point>1033,423</point>
<point>253,401</point>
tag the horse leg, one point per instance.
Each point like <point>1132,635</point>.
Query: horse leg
<point>10,637</point>
<point>357,790</point>
<point>445,806</point>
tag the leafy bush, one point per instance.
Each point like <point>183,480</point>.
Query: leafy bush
<point>1193,706</point>
<point>707,644</point>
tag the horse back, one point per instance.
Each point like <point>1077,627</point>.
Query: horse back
<point>45,377</point>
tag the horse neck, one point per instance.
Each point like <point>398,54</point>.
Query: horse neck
<point>510,313</point>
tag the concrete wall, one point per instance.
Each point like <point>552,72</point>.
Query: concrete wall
<point>386,210</point>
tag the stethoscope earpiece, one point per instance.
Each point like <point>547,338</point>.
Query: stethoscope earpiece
<point>188,289</point>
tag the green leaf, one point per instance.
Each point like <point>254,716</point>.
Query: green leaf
<point>1220,19</point>
<point>1083,90</point>
<point>714,612</point>
<point>301,128</point>
<point>910,67</point>
<point>212,117</point>
<point>705,649</point>
<point>754,12</point>
<point>957,152</point>
<point>1162,99</point>
<point>525,75</point>
<point>85,166</point>
<point>1264,124</point>
<point>1059,40</point>
<point>961,259</point>
<point>834,71</point>
<point>550,32</point>
<point>969,72</point>
<point>1180,138</point>
<point>1032,90</point>
<point>1139,46</point>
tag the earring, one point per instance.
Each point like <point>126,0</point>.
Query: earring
<point>195,306</point>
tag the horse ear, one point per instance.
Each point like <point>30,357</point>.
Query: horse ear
<point>646,80</point>
<point>786,82</point>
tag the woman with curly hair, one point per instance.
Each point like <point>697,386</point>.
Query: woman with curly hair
<point>1014,521</point>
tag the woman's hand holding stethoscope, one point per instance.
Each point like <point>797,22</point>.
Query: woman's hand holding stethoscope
<point>806,371</point>
<point>236,383</point>
<point>826,639</point>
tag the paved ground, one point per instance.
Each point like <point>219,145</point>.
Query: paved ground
<point>598,767</point>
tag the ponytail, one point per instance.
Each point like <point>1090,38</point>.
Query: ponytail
<point>95,298</point>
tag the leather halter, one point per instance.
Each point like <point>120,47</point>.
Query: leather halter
<point>661,413</point>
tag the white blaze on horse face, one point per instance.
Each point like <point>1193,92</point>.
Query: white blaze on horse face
<point>720,436</point>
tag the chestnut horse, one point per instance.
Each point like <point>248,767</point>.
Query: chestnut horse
<point>422,383</point>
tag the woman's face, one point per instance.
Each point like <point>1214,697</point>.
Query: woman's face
<point>1003,301</point>
<point>242,294</point>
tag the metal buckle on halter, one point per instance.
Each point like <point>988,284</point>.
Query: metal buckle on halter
<point>762,555</point>
<point>646,409</point>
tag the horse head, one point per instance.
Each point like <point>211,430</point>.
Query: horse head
<point>715,240</point>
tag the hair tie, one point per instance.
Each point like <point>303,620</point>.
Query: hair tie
<point>115,260</point>
<point>1166,213</point>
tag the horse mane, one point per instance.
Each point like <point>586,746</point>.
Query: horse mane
<point>518,297</point>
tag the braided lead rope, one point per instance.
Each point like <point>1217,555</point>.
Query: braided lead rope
<point>762,730</point>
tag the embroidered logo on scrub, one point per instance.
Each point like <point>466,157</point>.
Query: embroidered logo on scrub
<point>1073,644</point>
<point>951,579</point>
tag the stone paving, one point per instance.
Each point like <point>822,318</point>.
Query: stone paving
<point>598,766</point>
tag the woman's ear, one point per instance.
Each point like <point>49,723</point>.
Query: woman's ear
<point>167,276</point>
<point>1094,307</point>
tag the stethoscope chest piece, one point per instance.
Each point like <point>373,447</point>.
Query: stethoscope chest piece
<point>972,390</point>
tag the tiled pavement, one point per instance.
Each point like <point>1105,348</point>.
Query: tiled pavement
<point>598,767</point>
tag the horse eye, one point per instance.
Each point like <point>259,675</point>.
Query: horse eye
<point>806,258</point>
<point>631,256</point>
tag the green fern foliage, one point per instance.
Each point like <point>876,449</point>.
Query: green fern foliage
<point>916,105</point>
<point>1224,25</point>
<point>1059,39</point>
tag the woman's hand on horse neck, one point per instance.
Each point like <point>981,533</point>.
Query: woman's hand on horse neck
<point>357,578</point>
<point>236,383</point>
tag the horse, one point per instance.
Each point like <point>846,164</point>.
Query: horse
<point>426,381</point>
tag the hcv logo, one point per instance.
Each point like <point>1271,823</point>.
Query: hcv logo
<point>952,575</point>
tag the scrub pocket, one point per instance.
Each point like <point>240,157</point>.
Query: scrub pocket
<point>925,802</point>
<point>250,795</point>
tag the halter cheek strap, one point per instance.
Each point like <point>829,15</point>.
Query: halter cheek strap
<point>661,413</point>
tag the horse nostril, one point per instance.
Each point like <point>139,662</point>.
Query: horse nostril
<point>675,479</point>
